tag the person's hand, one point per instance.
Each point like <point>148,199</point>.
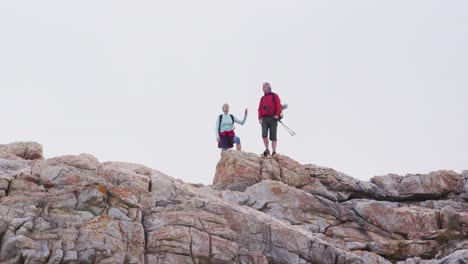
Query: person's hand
<point>246,111</point>
<point>260,121</point>
<point>218,139</point>
<point>276,117</point>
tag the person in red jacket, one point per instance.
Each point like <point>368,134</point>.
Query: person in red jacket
<point>269,110</point>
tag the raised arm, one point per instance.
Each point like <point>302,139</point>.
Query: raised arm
<point>240,121</point>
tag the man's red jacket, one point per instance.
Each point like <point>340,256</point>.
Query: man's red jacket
<point>269,106</point>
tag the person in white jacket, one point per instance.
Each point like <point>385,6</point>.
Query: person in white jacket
<point>224,129</point>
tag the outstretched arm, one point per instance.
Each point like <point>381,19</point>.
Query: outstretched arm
<point>243,120</point>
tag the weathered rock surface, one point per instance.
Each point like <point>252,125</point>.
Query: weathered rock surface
<point>414,218</point>
<point>74,209</point>
<point>21,150</point>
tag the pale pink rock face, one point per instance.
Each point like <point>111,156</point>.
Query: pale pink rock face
<point>421,186</point>
<point>390,218</point>
<point>74,209</point>
<point>23,150</point>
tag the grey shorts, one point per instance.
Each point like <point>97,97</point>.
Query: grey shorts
<point>269,123</point>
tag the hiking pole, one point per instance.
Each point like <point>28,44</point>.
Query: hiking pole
<point>287,128</point>
<point>290,130</point>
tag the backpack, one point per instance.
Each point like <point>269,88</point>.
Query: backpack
<point>221,119</point>
<point>280,116</point>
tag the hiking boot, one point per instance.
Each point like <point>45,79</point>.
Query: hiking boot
<point>266,152</point>
<point>274,153</point>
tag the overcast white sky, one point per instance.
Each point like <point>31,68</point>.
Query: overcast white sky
<point>373,87</point>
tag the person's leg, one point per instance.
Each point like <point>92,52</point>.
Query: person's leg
<point>265,132</point>
<point>273,138</point>
<point>265,142</point>
<point>238,143</point>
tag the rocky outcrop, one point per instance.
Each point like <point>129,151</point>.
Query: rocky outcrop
<point>71,209</point>
<point>21,150</point>
<point>75,209</point>
<point>419,218</point>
